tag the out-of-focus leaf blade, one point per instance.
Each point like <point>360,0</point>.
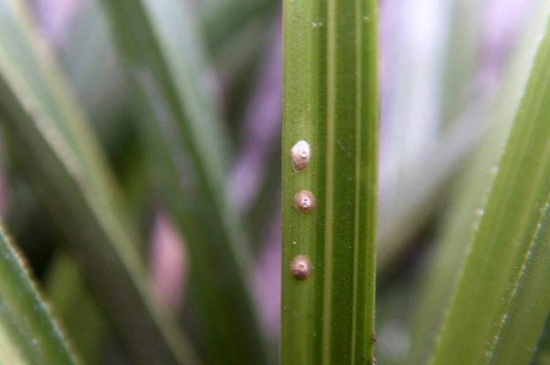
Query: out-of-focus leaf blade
<point>76,308</point>
<point>461,50</point>
<point>434,116</point>
<point>331,102</point>
<point>67,167</point>
<point>225,18</point>
<point>542,356</point>
<point>498,310</point>
<point>28,333</point>
<point>189,151</point>
<point>463,221</point>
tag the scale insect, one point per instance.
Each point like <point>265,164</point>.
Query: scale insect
<point>301,155</point>
<point>300,267</point>
<point>304,201</point>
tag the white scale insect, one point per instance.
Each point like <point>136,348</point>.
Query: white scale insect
<point>301,154</point>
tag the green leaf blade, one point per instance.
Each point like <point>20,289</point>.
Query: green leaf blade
<point>28,334</point>
<point>67,167</point>
<point>190,153</point>
<point>461,224</point>
<point>484,321</point>
<point>331,101</point>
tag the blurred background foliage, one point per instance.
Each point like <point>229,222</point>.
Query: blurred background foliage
<point>447,69</point>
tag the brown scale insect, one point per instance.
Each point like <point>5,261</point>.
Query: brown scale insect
<point>300,267</point>
<point>304,201</point>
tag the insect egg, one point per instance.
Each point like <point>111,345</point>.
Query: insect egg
<point>300,267</point>
<point>300,153</point>
<point>304,201</point>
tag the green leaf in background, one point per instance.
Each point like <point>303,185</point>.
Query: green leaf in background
<point>189,153</point>
<point>330,184</point>
<point>462,221</point>
<point>28,333</point>
<point>462,54</point>
<point>425,144</point>
<point>542,356</point>
<point>498,310</point>
<point>78,311</point>
<point>67,167</point>
<point>225,18</point>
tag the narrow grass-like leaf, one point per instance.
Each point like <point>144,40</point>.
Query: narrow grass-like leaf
<point>419,190</point>
<point>225,18</point>
<point>90,61</point>
<point>189,148</point>
<point>434,117</point>
<point>542,355</point>
<point>501,302</point>
<point>330,101</point>
<point>462,222</point>
<point>95,73</point>
<point>461,50</point>
<point>66,165</point>
<point>28,333</point>
<point>76,308</point>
